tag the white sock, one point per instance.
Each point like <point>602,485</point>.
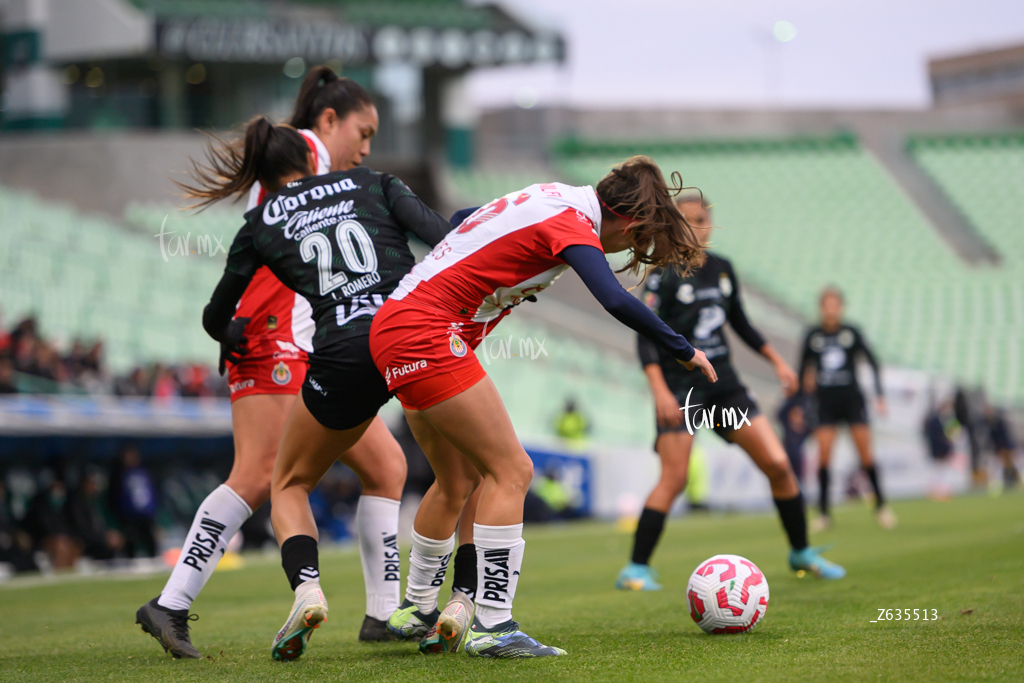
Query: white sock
<point>218,519</point>
<point>499,559</point>
<point>428,562</point>
<point>377,528</point>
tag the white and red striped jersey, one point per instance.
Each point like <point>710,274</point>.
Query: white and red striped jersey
<point>504,252</point>
<point>274,311</point>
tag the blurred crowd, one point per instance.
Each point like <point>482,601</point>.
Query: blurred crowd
<point>30,363</point>
<point>52,518</point>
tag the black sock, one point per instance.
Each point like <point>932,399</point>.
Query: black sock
<point>464,579</point>
<point>823,490</point>
<point>873,478</point>
<point>794,520</point>
<point>300,559</point>
<point>648,531</point>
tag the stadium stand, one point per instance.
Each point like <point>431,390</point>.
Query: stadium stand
<point>148,310</point>
<point>799,214</point>
<point>87,276</point>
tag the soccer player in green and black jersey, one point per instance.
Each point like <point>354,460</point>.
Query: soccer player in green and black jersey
<point>340,240</point>
<point>829,358</point>
<point>698,307</point>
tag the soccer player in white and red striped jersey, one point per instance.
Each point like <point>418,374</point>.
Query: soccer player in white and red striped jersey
<point>422,341</point>
<point>337,118</point>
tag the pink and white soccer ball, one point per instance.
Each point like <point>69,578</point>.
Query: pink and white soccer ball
<point>727,594</point>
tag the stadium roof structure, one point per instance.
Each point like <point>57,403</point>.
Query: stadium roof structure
<point>445,34</point>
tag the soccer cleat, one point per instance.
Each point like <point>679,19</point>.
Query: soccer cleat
<point>374,631</point>
<point>447,633</point>
<point>810,559</point>
<point>637,577</point>
<point>169,627</point>
<point>821,523</point>
<point>308,612</point>
<point>886,517</point>
<point>407,622</point>
<point>505,641</point>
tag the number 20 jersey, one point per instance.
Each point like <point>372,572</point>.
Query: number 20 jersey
<point>340,241</point>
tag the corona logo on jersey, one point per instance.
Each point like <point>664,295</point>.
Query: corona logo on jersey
<point>458,347</point>
<point>281,374</point>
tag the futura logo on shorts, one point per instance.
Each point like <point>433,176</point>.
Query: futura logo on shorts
<point>403,370</point>
<point>729,417</point>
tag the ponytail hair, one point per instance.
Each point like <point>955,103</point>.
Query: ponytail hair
<point>323,89</point>
<point>266,154</point>
<point>659,234</point>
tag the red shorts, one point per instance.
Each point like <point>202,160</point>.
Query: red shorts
<point>270,367</point>
<point>424,357</point>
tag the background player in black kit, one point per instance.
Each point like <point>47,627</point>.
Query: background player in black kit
<point>698,307</point>
<point>340,241</point>
<point>830,356</point>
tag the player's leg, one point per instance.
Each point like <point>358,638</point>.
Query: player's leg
<point>476,423</point>
<point>826,438</point>
<point>464,577</point>
<point>433,542</point>
<point>257,422</point>
<point>380,464</point>
<point>673,448</point>
<point>861,434</point>
<point>307,451</point>
<point>761,443</point>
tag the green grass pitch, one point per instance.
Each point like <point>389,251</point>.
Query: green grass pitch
<point>964,559</point>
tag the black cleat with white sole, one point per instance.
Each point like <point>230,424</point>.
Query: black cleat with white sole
<point>170,627</point>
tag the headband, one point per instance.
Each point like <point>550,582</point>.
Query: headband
<point>610,209</point>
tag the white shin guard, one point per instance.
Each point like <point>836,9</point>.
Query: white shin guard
<point>499,559</point>
<point>377,527</point>
<point>218,519</point>
<point>428,562</point>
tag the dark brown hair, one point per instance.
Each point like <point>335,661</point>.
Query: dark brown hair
<point>323,89</point>
<point>266,153</point>
<point>659,235</point>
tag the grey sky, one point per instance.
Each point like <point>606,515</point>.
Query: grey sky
<point>846,54</point>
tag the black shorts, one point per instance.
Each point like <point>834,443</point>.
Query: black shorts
<point>343,388</point>
<point>841,406</point>
<point>729,408</point>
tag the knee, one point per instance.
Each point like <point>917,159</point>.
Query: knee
<point>779,472</point>
<point>252,485</point>
<point>457,490</point>
<point>674,478</point>
<point>387,477</point>
<point>516,473</point>
<point>254,494</point>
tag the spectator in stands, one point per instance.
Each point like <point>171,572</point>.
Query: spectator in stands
<point>135,383</point>
<point>87,516</point>
<point>572,425</point>
<point>132,499</point>
<point>15,543</point>
<point>165,384</point>
<point>8,384</point>
<point>1003,443</point>
<point>48,525</point>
